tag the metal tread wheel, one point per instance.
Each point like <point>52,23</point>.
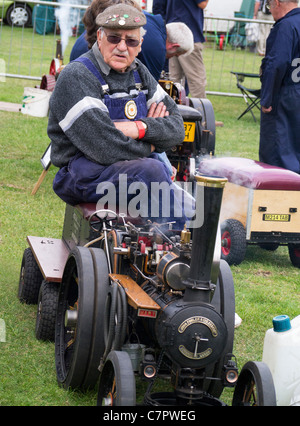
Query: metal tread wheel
<point>255,386</point>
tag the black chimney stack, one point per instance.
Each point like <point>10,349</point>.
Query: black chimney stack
<point>204,237</point>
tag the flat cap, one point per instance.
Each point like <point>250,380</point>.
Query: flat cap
<point>121,16</point>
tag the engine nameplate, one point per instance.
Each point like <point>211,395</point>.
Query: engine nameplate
<point>198,320</point>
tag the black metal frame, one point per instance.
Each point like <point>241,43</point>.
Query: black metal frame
<point>251,96</point>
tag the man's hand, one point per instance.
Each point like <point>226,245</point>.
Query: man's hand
<point>266,110</point>
<point>203,4</point>
<point>130,129</point>
<point>158,111</point>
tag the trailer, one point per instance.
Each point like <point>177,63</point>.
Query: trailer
<point>261,205</point>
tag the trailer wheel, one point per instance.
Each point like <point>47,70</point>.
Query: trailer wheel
<point>233,236</point>
<point>117,382</point>
<point>46,312</point>
<point>30,279</point>
<point>255,386</point>
<point>294,252</point>
<point>79,322</point>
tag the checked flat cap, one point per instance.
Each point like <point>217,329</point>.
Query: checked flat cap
<point>121,16</point>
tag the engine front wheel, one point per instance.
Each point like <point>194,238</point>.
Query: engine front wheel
<point>117,382</point>
<point>255,387</point>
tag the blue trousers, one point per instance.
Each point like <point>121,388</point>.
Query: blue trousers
<point>84,181</point>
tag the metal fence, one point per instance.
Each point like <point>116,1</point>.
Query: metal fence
<point>26,52</point>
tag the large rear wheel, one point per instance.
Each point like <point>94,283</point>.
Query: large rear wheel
<point>79,339</point>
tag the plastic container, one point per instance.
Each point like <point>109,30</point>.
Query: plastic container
<point>282,354</point>
<point>35,102</point>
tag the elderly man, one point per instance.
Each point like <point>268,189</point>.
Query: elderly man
<point>280,93</point>
<point>109,117</point>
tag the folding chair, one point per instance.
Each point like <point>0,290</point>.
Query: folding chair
<point>251,96</point>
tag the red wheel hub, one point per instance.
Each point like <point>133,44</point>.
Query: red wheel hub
<point>226,243</point>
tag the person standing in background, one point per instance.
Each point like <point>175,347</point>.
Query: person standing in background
<point>280,90</point>
<point>261,12</point>
<point>192,66</point>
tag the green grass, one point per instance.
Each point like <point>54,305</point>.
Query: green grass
<point>266,283</point>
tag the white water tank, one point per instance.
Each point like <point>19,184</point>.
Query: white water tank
<point>282,354</point>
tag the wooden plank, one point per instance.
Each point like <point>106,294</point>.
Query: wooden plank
<point>235,203</point>
<point>10,107</point>
<point>51,255</point>
<point>137,297</point>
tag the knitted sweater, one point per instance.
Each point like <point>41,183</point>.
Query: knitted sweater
<point>79,121</point>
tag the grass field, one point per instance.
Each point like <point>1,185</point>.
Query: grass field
<point>266,283</point>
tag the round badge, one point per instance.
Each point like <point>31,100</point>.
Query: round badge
<point>122,22</point>
<point>131,110</point>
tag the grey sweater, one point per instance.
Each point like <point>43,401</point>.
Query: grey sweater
<point>79,120</point>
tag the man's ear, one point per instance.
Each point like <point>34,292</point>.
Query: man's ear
<point>141,45</point>
<point>173,46</point>
<point>171,49</point>
<point>99,38</point>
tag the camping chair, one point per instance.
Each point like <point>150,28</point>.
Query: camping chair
<point>251,96</point>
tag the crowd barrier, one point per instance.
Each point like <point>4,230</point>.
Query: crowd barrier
<point>27,51</point>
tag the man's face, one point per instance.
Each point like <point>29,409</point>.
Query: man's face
<point>273,6</point>
<point>119,56</point>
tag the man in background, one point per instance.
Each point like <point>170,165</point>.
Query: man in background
<point>192,66</point>
<point>280,92</point>
<point>262,12</point>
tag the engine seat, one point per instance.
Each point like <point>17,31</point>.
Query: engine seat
<point>251,174</point>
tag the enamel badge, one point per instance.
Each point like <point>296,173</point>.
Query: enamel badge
<point>131,110</point>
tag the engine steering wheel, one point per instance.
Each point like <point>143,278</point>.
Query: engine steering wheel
<point>107,217</point>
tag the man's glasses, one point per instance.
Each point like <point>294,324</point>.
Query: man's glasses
<point>268,4</point>
<point>114,39</point>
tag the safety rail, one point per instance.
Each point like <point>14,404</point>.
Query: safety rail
<point>26,54</point>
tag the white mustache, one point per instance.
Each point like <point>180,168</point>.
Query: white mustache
<point>116,51</point>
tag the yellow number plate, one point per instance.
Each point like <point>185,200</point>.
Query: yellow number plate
<point>189,132</point>
<point>277,217</point>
